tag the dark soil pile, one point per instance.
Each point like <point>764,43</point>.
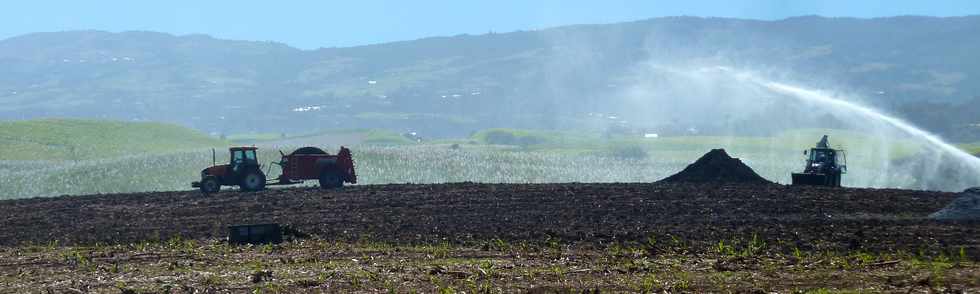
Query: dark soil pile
<point>965,207</point>
<point>717,167</point>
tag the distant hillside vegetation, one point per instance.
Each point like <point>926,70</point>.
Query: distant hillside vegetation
<point>71,139</point>
<point>972,148</point>
<point>453,86</point>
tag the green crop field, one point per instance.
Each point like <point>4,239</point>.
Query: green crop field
<point>58,157</point>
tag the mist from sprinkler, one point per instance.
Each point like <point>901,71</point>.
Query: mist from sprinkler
<point>712,93</point>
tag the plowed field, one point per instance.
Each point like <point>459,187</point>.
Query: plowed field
<point>807,217</point>
<point>494,238</point>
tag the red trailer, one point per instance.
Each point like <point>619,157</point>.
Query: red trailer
<point>307,163</point>
<point>311,163</point>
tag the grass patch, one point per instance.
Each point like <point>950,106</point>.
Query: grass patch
<point>402,116</point>
<point>77,139</point>
<point>972,148</point>
<point>256,137</point>
<point>537,138</point>
<point>385,137</point>
<point>350,267</point>
<point>371,136</point>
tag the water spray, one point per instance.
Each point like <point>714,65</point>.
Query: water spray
<point>895,122</point>
<point>817,97</point>
<point>965,166</point>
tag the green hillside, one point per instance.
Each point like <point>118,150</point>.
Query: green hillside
<point>923,69</point>
<point>70,139</point>
<point>972,148</point>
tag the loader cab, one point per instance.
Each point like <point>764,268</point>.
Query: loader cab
<point>823,156</point>
<point>826,159</point>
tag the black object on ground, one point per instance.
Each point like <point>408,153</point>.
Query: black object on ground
<point>255,234</point>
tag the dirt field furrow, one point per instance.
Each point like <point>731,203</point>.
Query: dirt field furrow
<point>873,219</point>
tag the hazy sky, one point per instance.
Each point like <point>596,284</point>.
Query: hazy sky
<point>312,24</point>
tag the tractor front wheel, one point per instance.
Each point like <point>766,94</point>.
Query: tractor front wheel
<point>330,179</point>
<point>210,185</point>
<point>253,181</point>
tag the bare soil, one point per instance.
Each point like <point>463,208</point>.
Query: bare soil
<point>807,217</point>
<point>675,237</point>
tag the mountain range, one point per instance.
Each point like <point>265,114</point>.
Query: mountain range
<point>924,69</point>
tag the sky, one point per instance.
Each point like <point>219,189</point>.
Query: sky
<point>314,24</point>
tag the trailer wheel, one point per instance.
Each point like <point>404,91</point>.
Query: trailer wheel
<point>330,179</point>
<point>253,181</point>
<point>210,185</point>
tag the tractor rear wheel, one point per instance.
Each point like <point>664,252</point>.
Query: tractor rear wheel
<point>210,185</point>
<point>253,181</point>
<point>330,179</point>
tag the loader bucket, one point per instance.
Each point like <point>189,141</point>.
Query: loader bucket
<point>811,179</point>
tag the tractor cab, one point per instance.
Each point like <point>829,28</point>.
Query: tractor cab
<point>242,158</point>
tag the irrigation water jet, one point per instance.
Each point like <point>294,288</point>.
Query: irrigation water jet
<point>971,162</point>
<point>889,152</point>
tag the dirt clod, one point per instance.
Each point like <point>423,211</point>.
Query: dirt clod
<point>259,276</point>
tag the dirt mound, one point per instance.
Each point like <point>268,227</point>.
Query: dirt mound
<point>965,207</point>
<point>716,167</point>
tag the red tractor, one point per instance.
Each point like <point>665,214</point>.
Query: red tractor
<point>307,163</point>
